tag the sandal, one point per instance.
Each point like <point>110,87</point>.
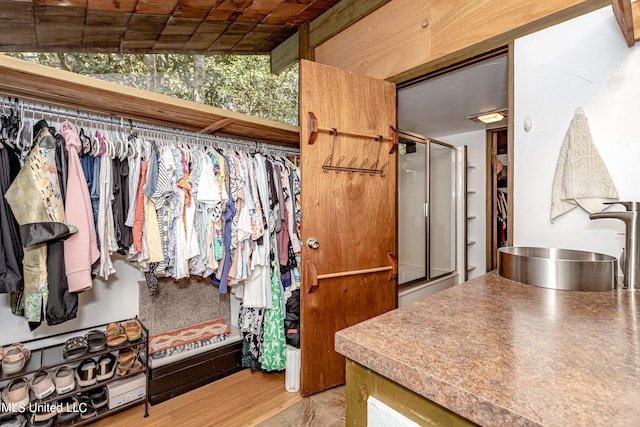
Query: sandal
<point>136,367</point>
<point>127,354</point>
<point>14,358</point>
<point>96,340</point>
<point>116,334</point>
<point>86,373</point>
<point>133,330</point>
<point>75,347</point>
<point>127,361</point>
<point>106,367</point>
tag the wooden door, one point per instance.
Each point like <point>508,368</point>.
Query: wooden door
<point>350,212</point>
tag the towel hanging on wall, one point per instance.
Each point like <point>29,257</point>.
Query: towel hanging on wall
<point>581,177</point>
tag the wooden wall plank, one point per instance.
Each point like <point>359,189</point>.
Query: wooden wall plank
<point>391,43</point>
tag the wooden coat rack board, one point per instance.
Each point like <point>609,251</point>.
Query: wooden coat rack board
<point>363,167</point>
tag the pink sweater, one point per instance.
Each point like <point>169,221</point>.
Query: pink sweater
<point>80,249</point>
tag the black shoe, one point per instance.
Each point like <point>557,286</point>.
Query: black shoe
<point>86,373</point>
<point>69,409</point>
<point>106,367</point>
<point>86,408</point>
<point>99,397</point>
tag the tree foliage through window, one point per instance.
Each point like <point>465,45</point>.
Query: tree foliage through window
<point>241,83</point>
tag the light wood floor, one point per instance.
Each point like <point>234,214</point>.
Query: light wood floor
<point>242,399</point>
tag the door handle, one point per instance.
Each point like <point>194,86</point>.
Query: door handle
<point>314,277</point>
<point>312,243</point>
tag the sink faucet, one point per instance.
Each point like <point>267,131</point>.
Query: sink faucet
<point>630,260</point>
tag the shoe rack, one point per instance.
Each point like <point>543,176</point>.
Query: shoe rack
<point>50,358</point>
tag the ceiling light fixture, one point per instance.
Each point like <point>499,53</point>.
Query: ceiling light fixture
<point>489,116</point>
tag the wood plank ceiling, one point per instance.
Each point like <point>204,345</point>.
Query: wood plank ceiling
<point>153,26</point>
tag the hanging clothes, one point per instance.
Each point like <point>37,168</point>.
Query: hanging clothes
<point>11,253</point>
<point>62,305</point>
<point>37,204</point>
<point>172,210</point>
<point>81,249</point>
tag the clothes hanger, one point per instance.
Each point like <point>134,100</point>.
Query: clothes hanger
<point>20,128</point>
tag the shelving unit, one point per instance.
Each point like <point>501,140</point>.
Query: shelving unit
<point>470,216</point>
<point>50,357</point>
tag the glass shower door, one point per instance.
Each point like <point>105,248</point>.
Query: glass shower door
<point>442,209</point>
<point>412,225</point>
<point>426,209</point>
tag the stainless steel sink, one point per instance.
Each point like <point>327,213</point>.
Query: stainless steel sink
<point>562,269</point>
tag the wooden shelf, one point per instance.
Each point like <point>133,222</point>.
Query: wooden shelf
<point>35,82</point>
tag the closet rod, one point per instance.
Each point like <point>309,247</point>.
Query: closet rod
<point>125,123</point>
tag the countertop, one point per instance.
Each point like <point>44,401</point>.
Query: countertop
<point>502,353</point>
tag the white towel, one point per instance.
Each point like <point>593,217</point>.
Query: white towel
<point>581,177</point>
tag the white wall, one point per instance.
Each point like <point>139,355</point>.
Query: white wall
<point>476,203</point>
<point>580,63</point>
<point>114,299</point>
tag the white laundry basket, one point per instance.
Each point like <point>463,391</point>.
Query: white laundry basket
<point>292,369</point>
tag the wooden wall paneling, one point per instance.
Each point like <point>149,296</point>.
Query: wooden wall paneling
<point>391,43</point>
<point>403,24</point>
<point>48,85</point>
